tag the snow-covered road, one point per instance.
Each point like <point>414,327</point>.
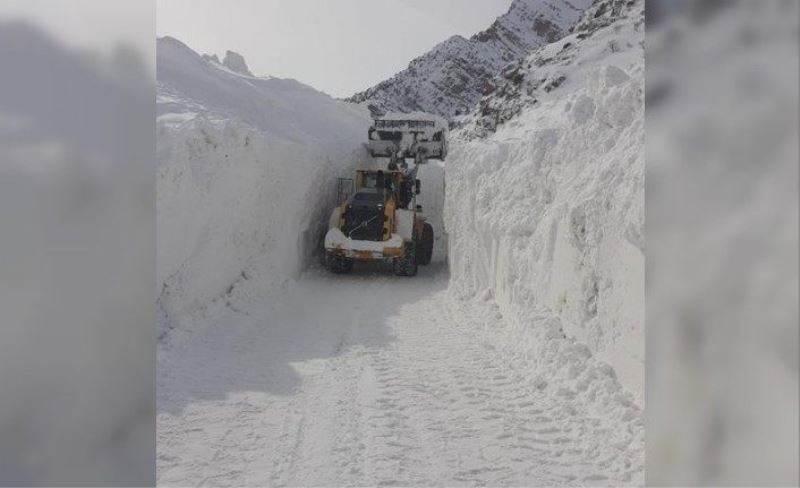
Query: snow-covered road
<point>372,379</point>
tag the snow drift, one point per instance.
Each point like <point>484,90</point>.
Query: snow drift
<point>246,178</point>
<point>546,214</point>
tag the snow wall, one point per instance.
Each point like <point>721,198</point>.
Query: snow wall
<point>546,215</point>
<point>247,172</point>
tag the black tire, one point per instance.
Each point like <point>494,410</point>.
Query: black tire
<point>407,264</point>
<point>425,248</point>
<point>340,264</point>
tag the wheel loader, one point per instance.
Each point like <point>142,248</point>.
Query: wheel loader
<point>378,217</point>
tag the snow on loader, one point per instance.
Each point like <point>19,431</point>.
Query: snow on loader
<point>380,219</point>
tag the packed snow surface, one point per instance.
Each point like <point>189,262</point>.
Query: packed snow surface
<point>372,379</point>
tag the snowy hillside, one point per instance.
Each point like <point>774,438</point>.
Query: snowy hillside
<point>246,176</point>
<point>523,83</point>
<point>450,78</point>
<point>546,214</point>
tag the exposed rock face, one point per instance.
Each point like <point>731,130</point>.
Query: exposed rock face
<point>235,62</point>
<point>523,82</point>
<point>602,13</point>
<point>450,79</point>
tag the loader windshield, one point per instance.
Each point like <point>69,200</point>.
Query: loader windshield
<point>368,195</point>
<point>370,180</point>
<point>379,181</point>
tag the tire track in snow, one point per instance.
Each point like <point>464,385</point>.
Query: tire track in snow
<point>475,421</point>
<point>435,402</point>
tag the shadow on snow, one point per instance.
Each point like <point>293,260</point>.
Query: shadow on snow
<point>320,316</point>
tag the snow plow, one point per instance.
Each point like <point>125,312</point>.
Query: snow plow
<point>379,219</point>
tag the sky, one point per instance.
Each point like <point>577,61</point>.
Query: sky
<point>96,25</point>
<point>337,46</point>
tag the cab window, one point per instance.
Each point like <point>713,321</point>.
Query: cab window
<point>370,180</point>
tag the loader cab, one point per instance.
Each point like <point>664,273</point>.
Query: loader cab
<point>384,179</point>
<point>370,212</point>
<point>379,180</point>
<point>390,181</point>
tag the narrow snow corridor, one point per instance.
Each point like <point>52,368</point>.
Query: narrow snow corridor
<point>372,379</point>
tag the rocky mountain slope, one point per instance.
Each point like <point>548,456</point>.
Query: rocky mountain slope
<point>526,81</point>
<point>450,79</point>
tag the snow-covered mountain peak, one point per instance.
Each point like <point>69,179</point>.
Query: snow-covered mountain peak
<point>450,79</point>
<point>191,85</point>
<point>534,21</point>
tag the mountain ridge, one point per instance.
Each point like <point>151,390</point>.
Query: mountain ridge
<point>449,80</point>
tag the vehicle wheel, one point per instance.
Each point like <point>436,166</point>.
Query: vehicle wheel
<point>425,248</point>
<point>407,265</point>
<point>340,264</point>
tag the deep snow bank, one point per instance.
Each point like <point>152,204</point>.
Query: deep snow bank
<point>546,214</point>
<point>246,178</point>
